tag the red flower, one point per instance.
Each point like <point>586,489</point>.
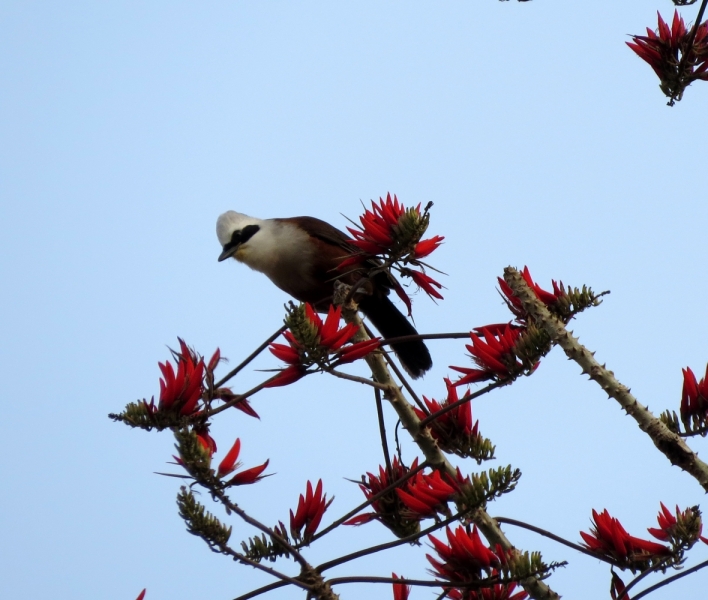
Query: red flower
<point>249,476</point>
<point>426,283</point>
<point>389,228</point>
<point>452,430</point>
<point>389,508</point>
<point>206,440</point>
<point>464,559</point>
<point>183,390</point>
<point>667,49</point>
<point>401,591</point>
<point>493,349</point>
<point>317,342</point>
<point>694,400</point>
<point>514,304</point>
<point>141,595</point>
<point>608,537</point>
<point>242,404</point>
<point>499,591</point>
<point>422,249</point>
<point>377,231</point>
<point>684,528</point>
<point>617,588</point>
<point>310,509</point>
<point>426,495</point>
<point>286,376</point>
<point>229,464</point>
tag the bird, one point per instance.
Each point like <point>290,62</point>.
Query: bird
<point>300,255</point>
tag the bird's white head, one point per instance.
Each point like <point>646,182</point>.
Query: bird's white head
<point>234,230</point>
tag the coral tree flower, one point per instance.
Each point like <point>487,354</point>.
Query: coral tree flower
<point>426,283</point>
<point>463,558</point>
<point>514,304</point>
<point>391,234</point>
<point>694,400</point>
<point>426,495</point>
<point>493,349</point>
<point>389,508</point>
<point>617,588</point>
<point>310,509</point>
<point>401,591</point>
<point>389,228</point>
<point>683,528</point>
<point>141,595</point>
<point>229,464</point>
<point>207,442</point>
<point>609,538</point>
<point>667,51</point>
<point>453,430</point>
<point>182,390</point>
<point>499,591</point>
<point>312,341</point>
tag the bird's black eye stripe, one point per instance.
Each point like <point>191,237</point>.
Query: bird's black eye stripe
<point>248,232</point>
<point>241,236</point>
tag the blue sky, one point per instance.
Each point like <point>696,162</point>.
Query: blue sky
<point>128,127</point>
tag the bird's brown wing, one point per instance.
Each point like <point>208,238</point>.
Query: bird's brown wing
<point>323,231</point>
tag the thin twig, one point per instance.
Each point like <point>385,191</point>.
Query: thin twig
<point>355,378</point>
<point>239,397</point>
<point>388,545</point>
<point>402,378</point>
<point>250,357</point>
<point>657,567</point>
<point>669,580</point>
<point>263,590</point>
<point>426,336</point>
<point>226,501</point>
<point>553,536</point>
<point>286,579</point>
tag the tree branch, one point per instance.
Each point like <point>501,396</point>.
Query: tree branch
<point>668,442</point>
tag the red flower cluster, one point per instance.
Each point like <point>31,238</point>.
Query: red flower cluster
<point>229,464</point>
<point>464,558</point>
<point>500,591</point>
<point>514,304</point>
<point>323,342</point>
<point>609,538</point>
<point>493,350</point>
<point>380,231</point>
<point>668,48</point>
<point>426,495</point>
<point>401,591</point>
<point>453,430</point>
<point>391,233</point>
<point>389,508</point>
<point>182,391</point>
<point>310,509</point>
<point>683,529</point>
<point>694,400</point>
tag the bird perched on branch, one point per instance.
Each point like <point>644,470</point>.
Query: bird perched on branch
<point>300,255</point>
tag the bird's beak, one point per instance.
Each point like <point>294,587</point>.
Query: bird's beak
<point>228,252</point>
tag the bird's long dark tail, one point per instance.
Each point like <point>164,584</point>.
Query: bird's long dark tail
<point>391,323</point>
